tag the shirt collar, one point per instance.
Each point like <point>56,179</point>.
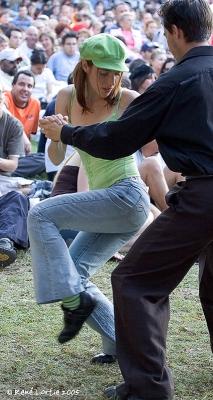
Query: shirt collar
<point>197,52</point>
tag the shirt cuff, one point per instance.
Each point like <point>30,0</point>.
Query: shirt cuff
<point>66,134</point>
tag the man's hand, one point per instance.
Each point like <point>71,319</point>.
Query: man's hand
<point>52,125</point>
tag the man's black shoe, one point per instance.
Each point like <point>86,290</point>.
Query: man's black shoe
<point>118,392</point>
<point>103,359</point>
<point>74,319</point>
<point>7,252</point>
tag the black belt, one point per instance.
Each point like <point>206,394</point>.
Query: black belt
<point>199,176</point>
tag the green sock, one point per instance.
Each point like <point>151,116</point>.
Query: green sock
<point>71,302</point>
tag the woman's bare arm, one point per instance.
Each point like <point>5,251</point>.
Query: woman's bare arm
<point>57,150</point>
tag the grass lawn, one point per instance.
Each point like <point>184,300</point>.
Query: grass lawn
<point>32,361</point>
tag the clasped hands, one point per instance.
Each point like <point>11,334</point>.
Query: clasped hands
<point>52,125</point>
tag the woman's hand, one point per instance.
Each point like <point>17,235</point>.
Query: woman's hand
<point>52,125</point>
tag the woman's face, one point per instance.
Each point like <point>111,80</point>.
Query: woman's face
<point>102,81</point>
<point>99,9</point>
<point>157,63</point>
<point>126,21</point>
<point>168,66</point>
<point>46,42</point>
<point>37,69</point>
<point>148,82</point>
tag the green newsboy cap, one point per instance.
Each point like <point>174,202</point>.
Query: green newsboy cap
<point>105,51</point>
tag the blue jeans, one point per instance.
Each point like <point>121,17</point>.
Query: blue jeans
<point>105,219</point>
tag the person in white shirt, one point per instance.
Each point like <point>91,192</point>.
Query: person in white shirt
<point>9,61</point>
<point>44,78</point>
<point>30,43</point>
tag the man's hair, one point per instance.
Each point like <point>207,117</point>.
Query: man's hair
<point>70,35</point>
<point>193,17</point>
<point>27,73</point>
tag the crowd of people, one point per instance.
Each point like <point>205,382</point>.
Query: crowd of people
<point>118,71</point>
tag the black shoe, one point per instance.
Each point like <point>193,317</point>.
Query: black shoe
<point>7,252</point>
<point>74,319</point>
<point>103,359</point>
<point>118,392</point>
<point>110,393</point>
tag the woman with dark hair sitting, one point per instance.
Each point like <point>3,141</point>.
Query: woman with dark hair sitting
<point>44,78</point>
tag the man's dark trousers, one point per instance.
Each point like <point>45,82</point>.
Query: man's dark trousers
<point>152,269</point>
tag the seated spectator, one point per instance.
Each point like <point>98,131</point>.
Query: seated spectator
<point>135,63</point>
<point>99,10</point>
<point>15,38</point>
<point>30,43</point>
<point>9,61</point>
<point>133,37</point>
<point>44,78</point>
<point>23,20</point>
<point>26,109</point>
<point>55,11</point>
<point>41,25</point>
<point>20,102</point>
<point>4,42</point>
<point>157,59</point>
<point>48,42</point>
<point>118,9</point>
<point>108,23</point>
<point>66,13</point>
<point>83,34</point>
<point>144,17</point>
<point>147,49</point>
<point>96,26</point>
<point>150,30</point>
<point>142,77</point>
<point>13,205</point>
<point>5,23</point>
<point>64,61</point>
<point>168,64</point>
<point>32,11</point>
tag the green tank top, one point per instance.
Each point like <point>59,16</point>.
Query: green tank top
<point>104,173</point>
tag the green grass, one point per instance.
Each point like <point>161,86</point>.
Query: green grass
<point>31,358</point>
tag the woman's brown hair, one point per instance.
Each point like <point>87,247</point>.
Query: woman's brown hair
<point>79,79</point>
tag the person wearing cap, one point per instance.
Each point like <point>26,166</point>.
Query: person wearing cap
<point>9,61</point>
<point>147,49</point>
<point>176,111</point>
<point>141,78</point>
<point>107,215</point>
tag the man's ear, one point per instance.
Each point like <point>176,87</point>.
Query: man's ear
<point>177,32</point>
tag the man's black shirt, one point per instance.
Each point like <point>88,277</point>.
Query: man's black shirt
<point>177,110</point>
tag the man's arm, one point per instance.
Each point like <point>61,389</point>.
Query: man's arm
<point>14,144</point>
<point>9,165</point>
<point>137,126</point>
